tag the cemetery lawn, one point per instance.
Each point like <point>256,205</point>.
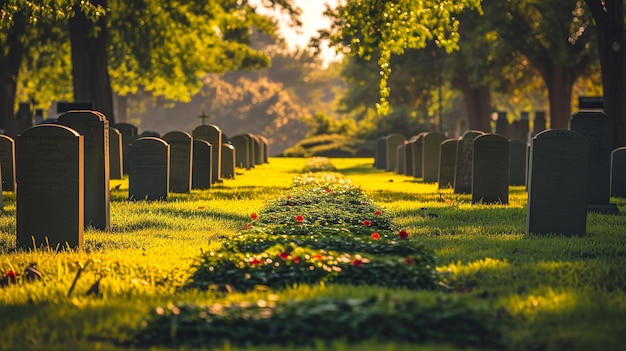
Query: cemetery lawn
<point>539,292</point>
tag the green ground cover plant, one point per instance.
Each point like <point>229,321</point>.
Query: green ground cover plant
<point>524,292</point>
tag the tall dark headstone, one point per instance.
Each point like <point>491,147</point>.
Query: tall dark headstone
<point>213,135</point>
<point>94,126</point>
<point>242,149</point>
<point>447,163</point>
<point>380,159</point>
<point>418,153</point>
<point>618,172</point>
<point>557,184</point>
<point>400,158</point>
<point>50,199</point>
<point>539,123</point>
<point>116,166</point>
<point>408,157</point>
<point>490,169</point>
<point>464,161</point>
<point>502,124</point>
<point>229,155</point>
<point>259,149</point>
<point>24,117</point>
<point>431,146</point>
<point>518,150</point>
<point>201,165</point>
<point>266,148</point>
<point>596,128</point>
<point>129,135</point>
<point>7,163</point>
<point>393,140</point>
<point>524,127</point>
<point>181,156</point>
<point>149,170</point>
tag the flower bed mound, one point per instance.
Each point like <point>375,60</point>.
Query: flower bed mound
<point>267,322</point>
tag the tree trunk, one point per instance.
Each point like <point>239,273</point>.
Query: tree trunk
<point>478,103</point>
<point>609,20</point>
<point>13,50</point>
<point>559,82</point>
<point>90,73</point>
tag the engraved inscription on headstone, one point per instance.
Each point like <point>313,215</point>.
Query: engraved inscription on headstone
<point>464,161</point>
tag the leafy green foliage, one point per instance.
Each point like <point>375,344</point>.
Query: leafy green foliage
<point>328,145</point>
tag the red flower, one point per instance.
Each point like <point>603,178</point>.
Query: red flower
<point>364,203</point>
<point>403,234</point>
<point>284,255</point>
<point>328,190</point>
<point>255,261</point>
<point>201,207</point>
<point>356,262</point>
<point>254,216</point>
<point>11,274</point>
<point>318,257</point>
<point>378,213</point>
<point>409,260</point>
<point>292,204</point>
<point>375,236</point>
<point>289,196</point>
<point>296,260</point>
<point>300,218</point>
<point>367,223</point>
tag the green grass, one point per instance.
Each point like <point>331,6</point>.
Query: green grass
<point>558,293</point>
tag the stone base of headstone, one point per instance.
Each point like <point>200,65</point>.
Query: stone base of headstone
<point>603,208</point>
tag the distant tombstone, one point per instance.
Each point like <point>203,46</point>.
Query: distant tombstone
<point>228,161</point>
<point>38,116</point>
<point>50,178</point>
<point>518,150</point>
<point>266,148</point>
<point>252,150</point>
<point>148,174</point>
<point>502,124</point>
<point>400,158</point>
<point>618,172</point>
<point>418,152</point>
<point>24,117</point>
<point>213,135</point>
<point>149,133</point>
<point>129,135</point>
<point>241,143</point>
<point>447,163</point>
<point>116,166</point>
<point>7,163</point>
<point>490,169</point>
<point>431,146</point>
<point>259,149</point>
<point>524,127</point>
<point>66,106</point>
<point>94,126</point>
<point>596,128</point>
<point>201,165</point>
<point>380,159</point>
<point>557,184</point>
<point>539,123</point>
<point>181,156</point>
<point>464,161</point>
<point>393,140</point>
<point>591,103</point>
<point>408,157</point>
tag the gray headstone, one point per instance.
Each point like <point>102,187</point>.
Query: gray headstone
<point>518,150</point>
<point>418,153</point>
<point>464,161</point>
<point>129,135</point>
<point>408,158</point>
<point>50,178</point>
<point>502,124</point>
<point>539,123</point>
<point>213,135</point>
<point>266,148</point>
<point>618,172</point>
<point>380,159</point>
<point>490,170</point>
<point>229,155</point>
<point>181,156</point>
<point>393,140</point>
<point>447,163</point>
<point>241,143</point>
<point>259,149</point>
<point>149,170</point>
<point>524,127</point>
<point>557,184</point>
<point>116,167</point>
<point>201,166</point>
<point>596,128</point>
<point>400,158</point>
<point>431,146</point>
<point>7,163</point>
<point>94,126</point>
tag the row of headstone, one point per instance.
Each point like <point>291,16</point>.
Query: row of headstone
<point>519,129</point>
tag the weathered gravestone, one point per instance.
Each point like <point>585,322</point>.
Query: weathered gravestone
<point>557,194</point>
<point>241,143</point>
<point>181,156</point>
<point>201,165</point>
<point>149,170</point>
<point>447,163</point>
<point>116,167</point>
<point>596,128</point>
<point>523,127</point>
<point>380,154</point>
<point>259,149</point>
<point>392,142</point>
<point>129,135</point>
<point>94,126</point>
<point>518,150</point>
<point>618,172</point>
<point>266,148</point>
<point>408,157</point>
<point>213,135</point>
<point>464,161</point>
<point>229,155</point>
<point>431,146</point>
<point>490,169</point>
<point>252,150</point>
<point>400,158</point>
<point>418,153</point>
<point>502,124</point>
<point>539,123</point>
<point>7,163</point>
<point>50,179</point>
